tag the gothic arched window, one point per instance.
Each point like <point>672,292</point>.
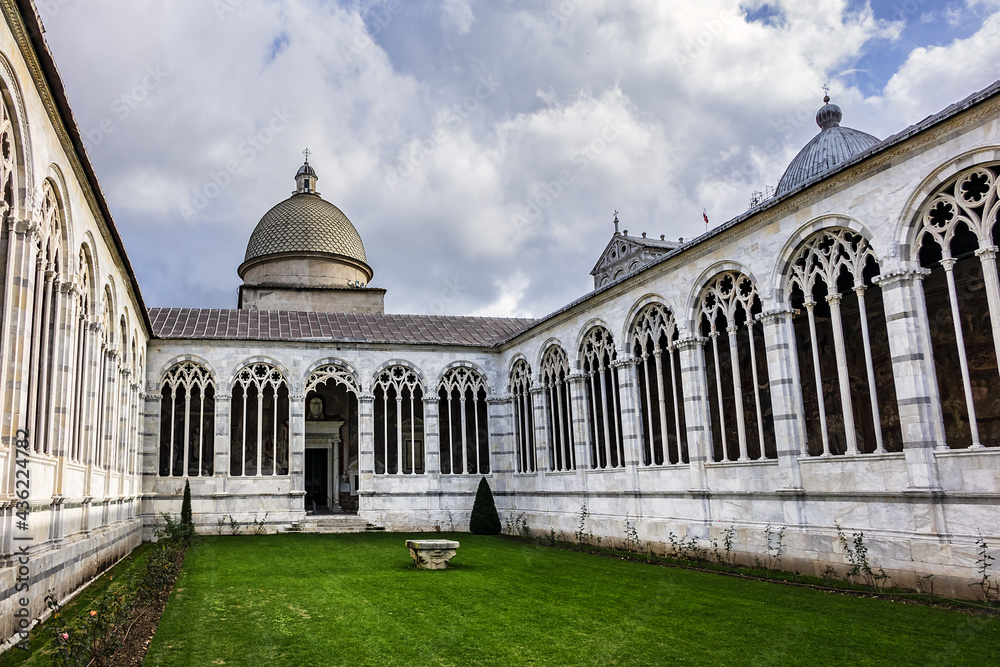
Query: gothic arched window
<point>957,240</point>
<point>258,433</point>
<point>463,421</point>
<point>43,335</point>
<point>399,422</point>
<point>843,346</point>
<point>554,375</point>
<point>524,418</point>
<point>187,421</point>
<point>607,449</point>
<point>742,423</point>
<point>661,398</point>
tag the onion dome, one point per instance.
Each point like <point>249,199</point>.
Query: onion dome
<point>305,223</point>
<point>833,146</point>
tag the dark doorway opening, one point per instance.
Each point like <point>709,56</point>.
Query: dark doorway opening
<point>317,488</point>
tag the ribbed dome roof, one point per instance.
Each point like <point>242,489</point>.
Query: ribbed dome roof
<point>305,223</point>
<point>832,146</point>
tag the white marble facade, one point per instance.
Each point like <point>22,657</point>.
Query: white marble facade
<point>915,463</point>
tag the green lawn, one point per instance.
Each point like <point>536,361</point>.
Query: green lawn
<point>357,600</point>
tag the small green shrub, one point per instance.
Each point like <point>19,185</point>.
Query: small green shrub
<point>485,520</point>
<point>186,518</point>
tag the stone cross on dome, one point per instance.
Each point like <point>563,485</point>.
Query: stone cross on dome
<point>307,153</point>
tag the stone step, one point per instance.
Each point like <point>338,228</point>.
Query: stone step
<point>332,523</point>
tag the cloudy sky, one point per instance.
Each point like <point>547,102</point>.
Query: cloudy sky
<point>442,127</point>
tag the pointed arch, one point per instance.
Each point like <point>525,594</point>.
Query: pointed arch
<point>524,415</point>
<point>597,355</point>
<point>399,420</point>
<point>187,421</point>
<point>955,238</point>
<point>842,345</point>
<point>553,374</point>
<point>740,405</point>
<point>653,334</point>
<point>462,393</point>
<point>259,431</point>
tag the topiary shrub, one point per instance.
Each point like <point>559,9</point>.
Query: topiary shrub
<point>485,520</point>
<point>186,520</point>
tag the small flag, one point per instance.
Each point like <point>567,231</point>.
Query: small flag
<point>704,214</point>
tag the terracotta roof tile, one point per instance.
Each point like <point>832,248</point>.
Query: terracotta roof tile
<point>213,323</point>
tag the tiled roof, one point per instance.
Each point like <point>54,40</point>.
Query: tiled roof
<point>305,223</point>
<point>224,324</point>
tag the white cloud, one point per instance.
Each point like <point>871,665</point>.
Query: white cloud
<point>457,15</point>
<point>481,172</point>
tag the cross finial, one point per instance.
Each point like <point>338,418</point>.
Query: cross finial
<point>616,222</point>
<point>826,94</point>
<point>307,153</point>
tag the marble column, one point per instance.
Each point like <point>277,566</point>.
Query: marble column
<point>432,439</point>
<point>581,434</point>
<point>914,374</point>
<point>366,450</point>
<point>297,449</point>
<point>697,415</point>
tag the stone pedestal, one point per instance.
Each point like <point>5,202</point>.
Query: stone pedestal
<point>432,554</point>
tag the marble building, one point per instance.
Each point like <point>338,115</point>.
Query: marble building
<point>824,359</point>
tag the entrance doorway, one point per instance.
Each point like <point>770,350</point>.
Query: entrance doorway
<point>317,475</point>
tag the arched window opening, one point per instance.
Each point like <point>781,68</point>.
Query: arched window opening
<point>957,241</point>
<point>736,368</point>
<point>103,384</point>
<point>554,375</point>
<point>187,422</point>
<point>524,418</point>
<point>80,381</point>
<point>258,444</point>
<point>399,422</point>
<point>661,399</point>
<point>607,449</point>
<point>44,335</point>
<point>848,390</point>
<point>464,428</point>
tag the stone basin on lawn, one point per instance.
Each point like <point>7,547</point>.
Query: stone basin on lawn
<point>432,554</point>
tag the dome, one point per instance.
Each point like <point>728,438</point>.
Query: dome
<point>834,145</point>
<point>307,223</point>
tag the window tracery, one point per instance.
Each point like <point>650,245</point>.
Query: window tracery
<point>399,422</point>
<point>654,333</point>
<point>464,422</point>
<point>554,374</point>
<point>524,418</point>
<point>740,405</point>
<point>259,423</point>
<point>187,421</point>
<point>848,391</point>
<point>43,335</point>
<point>607,447</point>
<point>957,238</point>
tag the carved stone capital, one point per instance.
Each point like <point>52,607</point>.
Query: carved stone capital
<point>989,252</point>
<point>774,315</point>
<point>901,275</point>
<point>689,343</point>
